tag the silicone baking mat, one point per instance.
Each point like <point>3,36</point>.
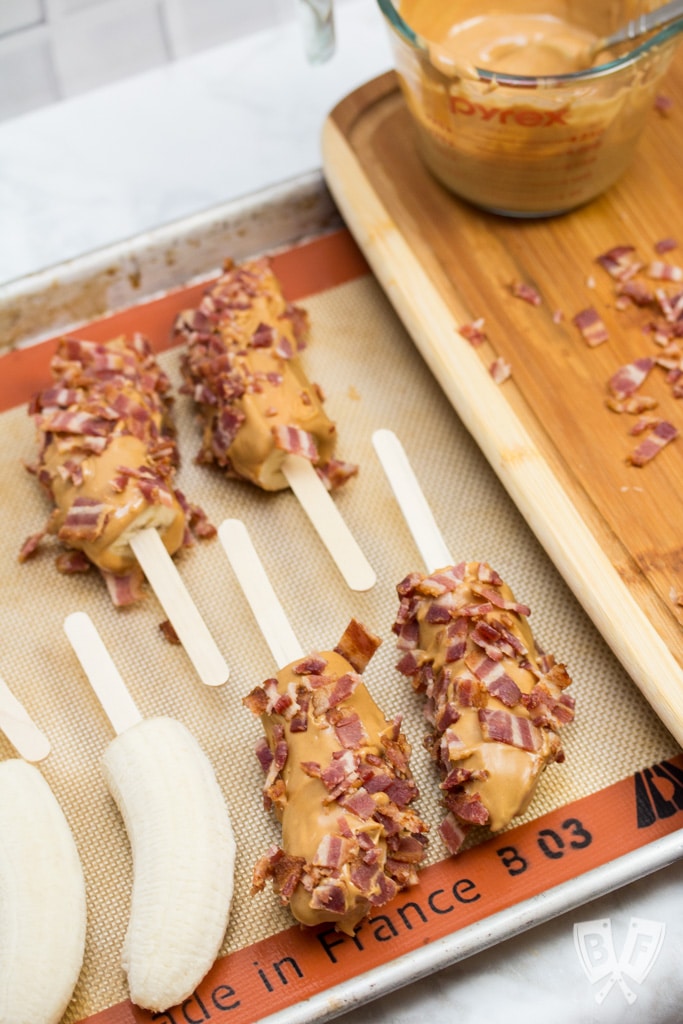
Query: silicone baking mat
<point>605,800</point>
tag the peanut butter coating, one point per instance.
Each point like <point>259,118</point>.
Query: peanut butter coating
<point>336,791</point>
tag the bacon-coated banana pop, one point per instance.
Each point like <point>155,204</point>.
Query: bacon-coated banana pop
<point>241,364</point>
<point>263,421</point>
<point>337,773</point>
<point>107,459</point>
<point>494,703</point>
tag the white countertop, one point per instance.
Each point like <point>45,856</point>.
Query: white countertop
<point>115,162</point>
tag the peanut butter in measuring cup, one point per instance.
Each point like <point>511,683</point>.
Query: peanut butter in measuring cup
<point>512,110</point>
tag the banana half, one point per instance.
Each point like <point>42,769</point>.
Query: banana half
<point>42,900</point>
<point>183,852</point>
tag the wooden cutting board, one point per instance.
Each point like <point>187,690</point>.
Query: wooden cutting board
<point>614,530</point>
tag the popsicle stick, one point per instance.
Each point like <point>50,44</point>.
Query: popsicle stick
<point>258,590</point>
<point>411,500</point>
<point>22,732</point>
<point>175,599</point>
<point>101,671</point>
<point>328,522</point>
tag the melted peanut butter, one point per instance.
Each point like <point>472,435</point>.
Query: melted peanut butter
<point>515,149</point>
<point>292,401</point>
<point>511,43</point>
<point>129,510</point>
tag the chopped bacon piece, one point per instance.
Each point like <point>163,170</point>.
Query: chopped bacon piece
<point>168,632</point>
<point>620,261</point>
<point>527,292</point>
<point>452,833</point>
<point>658,270</point>
<point>591,326</point>
<point>630,377</point>
<point>500,370</point>
<point>296,441</point>
<point>660,435</point>
<point>508,728</point>
<point>357,645</point>
<point>473,332</point>
<point>665,245</point>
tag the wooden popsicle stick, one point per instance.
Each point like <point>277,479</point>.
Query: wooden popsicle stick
<point>175,599</point>
<point>412,502</point>
<point>328,522</point>
<point>259,592</point>
<point>27,739</point>
<point>102,673</point>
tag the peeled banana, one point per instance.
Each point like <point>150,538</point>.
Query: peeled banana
<point>42,900</point>
<point>183,858</point>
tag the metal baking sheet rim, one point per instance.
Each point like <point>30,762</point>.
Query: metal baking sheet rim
<point>136,270</point>
<point>475,938</point>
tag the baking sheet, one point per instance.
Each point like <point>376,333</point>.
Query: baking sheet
<point>373,377</point>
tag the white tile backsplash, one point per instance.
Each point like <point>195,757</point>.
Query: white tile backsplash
<point>19,14</point>
<point>55,49</point>
<point>108,41</point>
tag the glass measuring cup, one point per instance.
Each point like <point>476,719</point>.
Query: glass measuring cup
<point>527,145</point>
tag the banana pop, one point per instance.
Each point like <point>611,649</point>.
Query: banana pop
<point>339,781</point>
<point>495,704</point>
<point>107,459</point>
<point>241,364</point>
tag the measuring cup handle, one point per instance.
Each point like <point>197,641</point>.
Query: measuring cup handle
<point>317,21</point>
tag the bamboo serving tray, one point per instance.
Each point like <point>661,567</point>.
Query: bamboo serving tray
<point>612,529</point>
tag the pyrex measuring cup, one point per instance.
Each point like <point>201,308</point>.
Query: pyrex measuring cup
<point>525,145</point>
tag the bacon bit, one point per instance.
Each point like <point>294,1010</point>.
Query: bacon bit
<point>474,332</point>
<point>591,326</point>
<point>558,316</point>
<point>630,377</point>
<point>125,590</point>
<point>620,262</point>
<point>663,104</point>
<point>452,833</point>
<point>665,245</point>
<point>168,632</point>
<point>661,434</point>
<point>526,292</point>
<point>295,441</point>
<point>70,562</point>
<point>500,370</point>
<point>505,727</point>
<point>468,807</point>
<point>357,645</point>
<point>642,424</point>
<point>31,545</point>
<point>335,473</point>
<point>658,270</point>
<point>635,405</point>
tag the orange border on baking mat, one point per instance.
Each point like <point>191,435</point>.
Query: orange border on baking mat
<point>298,963</point>
<point>306,269</point>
